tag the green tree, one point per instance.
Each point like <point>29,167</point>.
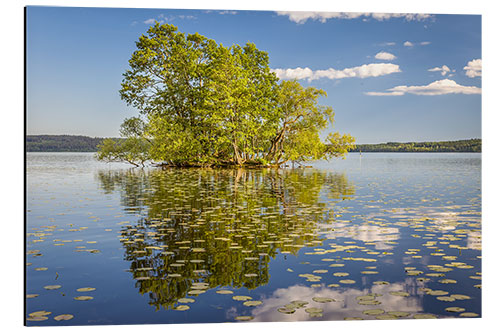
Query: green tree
<point>134,148</point>
<point>207,104</point>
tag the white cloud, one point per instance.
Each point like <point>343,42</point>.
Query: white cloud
<point>385,56</point>
<point>441,87</point>
<point>228,12</point>
<point>474,68</point>
<point>150,21</point>
<point>425,43</point>
<point>408,44</point>
<point>363,71</point>
<point>388,44</point>
<point>443,69</point>
<point>302,17</point>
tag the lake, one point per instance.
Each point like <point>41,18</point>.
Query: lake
<point>374,236</point>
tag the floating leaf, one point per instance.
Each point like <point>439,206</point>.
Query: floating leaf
<point>323,299</point>
<point>424,316</point>
<point>468,314</point>
<point>252,303</point>
<point>85,289</point>
<point>243,318</point>
<point>373,312</point>
<point>32,295</point>
<point>52,287</point>
<point>460,297</point>
<point>241,298</point>
<point>386,317</point>
<point>39,313</point>
<point>83,298</point>
<point>182,307</point>
<point>399,293</point>
<point>64,317</point>
<point>40,318</point>
<point>286,310</point>
<point>455,309</point>
<point>347,281</point>
<point>224,292</point>
<point>185,300</point>
<point>399,314</point>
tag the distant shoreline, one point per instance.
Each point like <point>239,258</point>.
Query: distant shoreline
<point>83,144</point>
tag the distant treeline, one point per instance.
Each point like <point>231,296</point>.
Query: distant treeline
<point>80,143</point>
<point>460,146</point>
<point>61,143</point>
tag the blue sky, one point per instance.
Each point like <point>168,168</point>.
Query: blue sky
<point>388,77</point>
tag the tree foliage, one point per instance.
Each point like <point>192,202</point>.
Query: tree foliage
<point>206,104</point>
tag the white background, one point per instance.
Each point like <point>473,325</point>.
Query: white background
<point>12,132</point>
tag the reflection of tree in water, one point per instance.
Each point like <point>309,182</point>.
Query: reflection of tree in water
<point>218,228</point>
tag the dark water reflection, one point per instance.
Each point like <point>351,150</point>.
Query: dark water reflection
<point>220,228</point>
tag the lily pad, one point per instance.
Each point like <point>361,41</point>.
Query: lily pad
<point>224,292</point>
<point>323,299</point>
<point>455,309</point>
<point>243,318</point>
<point>64,317</point>
<point>468,314</point>
<point>83,298</point>
<point>85,289</point>
<point>424,316</point>
<point>399,293</point>
<point>241,298</point>
<point>373,312</point>
<point>52,287</point>
<point>460,297</point>
<point>40,318</point>
<point>286,310</point>
<point>399,314</point>
<point>347,281</point>
<point>39,313</point>
<point>185,300</point>
<point>252,303</point>
<point>182,308</point>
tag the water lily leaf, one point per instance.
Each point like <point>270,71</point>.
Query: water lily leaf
<point>373,312</point>
<point>386,317</point>
<point>424,316</point>
<point>32,295</point>
<point>399,314</point>
<point>185,300</point>
<point>445,298</point>
<point>83,298</point>
<point>286,310</point>
<point>460,297</point>
<point>224,292</point>
<point>52,287</point>
<point>399,293</point>
<point>85,289</point>
<point>39,313</point>
<point>243,318</point>
<point>468,314</point>
<point>182,308</point>
<point>347,281</point>
<point>241,298</point>
<point>455,309</point>
<point>40,318</point>
<point>252,303</point>
<point>64,317</point>
<point>323,299</point>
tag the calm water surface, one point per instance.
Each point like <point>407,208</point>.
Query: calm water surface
<point>397,234</point>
